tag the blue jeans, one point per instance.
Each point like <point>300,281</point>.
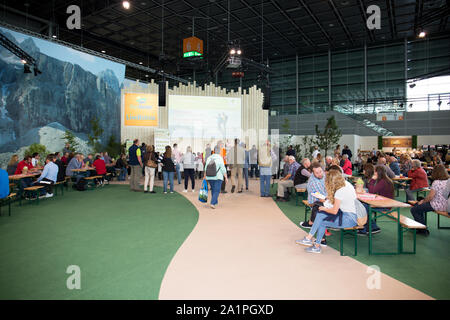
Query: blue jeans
<point>246,177</point>
<point>177,168</point>
<point>374,225</point>
<point>264,185</point>
<point>82,174</point>
<point>123,174</point>
<point>215,186</point>
<point>320,224</point>
<point>168,176</point>
<point>419,211</point>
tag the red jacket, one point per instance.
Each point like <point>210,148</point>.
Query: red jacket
<point>100,166</point>
<point>347,167</point>
<point>21,165</point>
<point>419,179</point>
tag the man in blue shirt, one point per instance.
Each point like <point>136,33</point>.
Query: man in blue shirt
<point>316,183</point>
<point>48,176</point>
<point>288,180</point>
<point>393,164</point>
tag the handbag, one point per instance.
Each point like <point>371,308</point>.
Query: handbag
<point>203,193</point>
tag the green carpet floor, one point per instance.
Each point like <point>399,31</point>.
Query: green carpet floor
<point>426,271</point>
<point>122,241</point>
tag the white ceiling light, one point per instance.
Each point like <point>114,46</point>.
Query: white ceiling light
<point>422,34</point>
<point>232,51</point>
<point>126,4</point>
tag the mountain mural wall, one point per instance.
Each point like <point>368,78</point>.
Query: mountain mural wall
<point>65,96</point>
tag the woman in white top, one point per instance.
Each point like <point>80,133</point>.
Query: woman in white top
<point>339,210</point>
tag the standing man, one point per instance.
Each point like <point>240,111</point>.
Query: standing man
<point>135,162</point>
<point>265,159</point>
<point>348,152</point>
<point>236,159</point>
<point>177,159</point>
<point>253,161</point>
<point>288,180</point>
<point>290,151</point>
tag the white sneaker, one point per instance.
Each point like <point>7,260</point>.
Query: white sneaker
<point>172,191</point>
<point>165,192</point>
<point>49,195</point>
<point>185,191</point>
<point>213,206</point>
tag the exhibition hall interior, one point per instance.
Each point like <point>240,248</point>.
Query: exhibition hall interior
<point>259,150</point>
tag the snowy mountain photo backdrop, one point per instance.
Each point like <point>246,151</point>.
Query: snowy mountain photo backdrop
<point>73,88</point>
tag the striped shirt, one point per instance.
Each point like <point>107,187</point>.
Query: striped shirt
<point>315,185</point>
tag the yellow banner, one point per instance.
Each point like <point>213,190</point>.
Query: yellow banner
<point>141,109</point>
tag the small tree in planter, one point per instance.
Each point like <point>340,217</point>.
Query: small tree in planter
<point>329,137</point>
<point>94,137</point>
<point>69,138</point>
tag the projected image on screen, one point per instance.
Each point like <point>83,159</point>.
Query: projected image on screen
<point>204,117</point>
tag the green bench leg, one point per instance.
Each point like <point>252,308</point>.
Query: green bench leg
<point>439,222</point>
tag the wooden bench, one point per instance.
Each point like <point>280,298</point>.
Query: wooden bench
<point>91,179</point>
<point>59,184</point>
<point>34,191</point>
<point>439,213</point>
<point>299,191</point>
<point>8,200</point>
<point>399,184</point>
<point>351,231</point>
<point>407,224</point>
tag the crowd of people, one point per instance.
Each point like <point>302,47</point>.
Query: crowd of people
<point>234,164</point>
<point>59,165</point>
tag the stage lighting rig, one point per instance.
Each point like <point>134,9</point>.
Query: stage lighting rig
<point>27,60</point>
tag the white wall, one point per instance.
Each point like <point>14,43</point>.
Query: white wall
<point>421,140</point>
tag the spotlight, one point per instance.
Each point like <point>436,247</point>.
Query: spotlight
<point>126,4</point>
<point>422,34</point>
<point>26,68</point>
<point>103,51</point>
<point>232,51</point>
<point>54,36</point>
<point>23,61</point>
<point>239,51</point>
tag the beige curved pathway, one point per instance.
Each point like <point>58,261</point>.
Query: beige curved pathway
<point>245,249</point>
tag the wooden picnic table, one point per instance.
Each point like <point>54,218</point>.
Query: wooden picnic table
<point>22,176</point>
<point>83,169</point>
<point>391,207</point>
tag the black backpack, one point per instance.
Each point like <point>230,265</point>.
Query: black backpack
<point>211,169</point>
<point>81,185</point>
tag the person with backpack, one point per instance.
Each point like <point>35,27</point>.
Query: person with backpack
<point>215,173</point>
<point>340,211</point>
<point>151,164</point>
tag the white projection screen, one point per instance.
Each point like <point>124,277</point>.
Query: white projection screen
<point>200,117</point>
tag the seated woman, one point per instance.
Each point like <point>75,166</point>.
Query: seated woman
<point>379,184</point>
<point>369,170</point>
<point>340,214</point>
<point>122,164</point>
<point>435,200</point>
<point>405,164</point>
<point>12,165</point>
<point>419,179</point>
<point>100,169</point>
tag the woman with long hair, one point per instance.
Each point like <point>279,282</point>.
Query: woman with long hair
<point>339,210</point>
<point>150,165</point>
<point>168,168</point>
<point>381,184</point>
<point>435,200</point>
<point>12,165</point>
<point>369,170</point>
